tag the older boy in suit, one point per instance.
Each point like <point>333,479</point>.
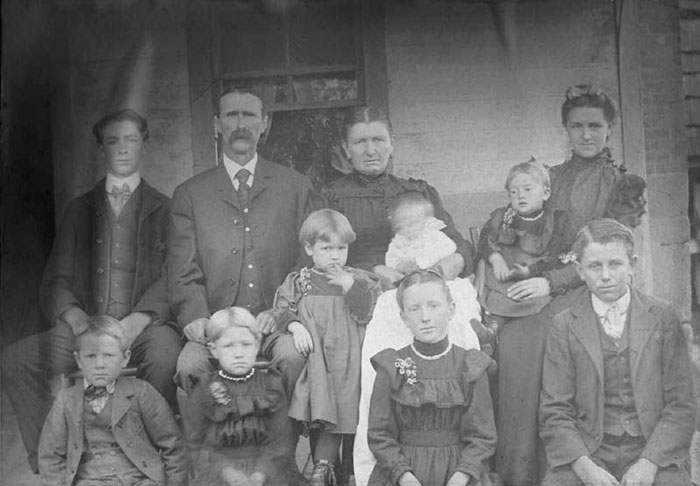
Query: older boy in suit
<point>616,405</point>
<point>107,259</point>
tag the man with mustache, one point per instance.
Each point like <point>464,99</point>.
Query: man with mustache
<point>234,236</point>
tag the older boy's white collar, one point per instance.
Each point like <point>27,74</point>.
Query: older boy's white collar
<point>601,307</point>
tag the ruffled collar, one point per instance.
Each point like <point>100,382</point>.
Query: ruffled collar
<point>261,394</point>
<point>603,158</point>
<point>370,180</point>
<point>533,223</point>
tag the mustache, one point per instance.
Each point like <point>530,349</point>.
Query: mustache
<point>240,133</point>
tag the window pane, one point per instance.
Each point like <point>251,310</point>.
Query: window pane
<point>273,90</point>
<point>333,87</point>
<point>323,33</point>
<point>308,141</point>
<point>251,40</point>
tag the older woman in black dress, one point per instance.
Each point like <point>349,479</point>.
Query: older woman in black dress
<point>582,186</point>
<point>365,195</point>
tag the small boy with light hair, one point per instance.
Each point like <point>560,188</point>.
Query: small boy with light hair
<point>107,429</point>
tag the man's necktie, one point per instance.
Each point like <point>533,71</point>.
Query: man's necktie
<point>613,323</point>
<point>120,197</point>
<point>242,177</point>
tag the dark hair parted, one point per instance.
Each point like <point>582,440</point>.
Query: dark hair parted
<point>419,277</point>
<point>98,129</point>
<point>602,231</point>
<point>588,96</point>
<point>322,224</point>
<point>242,90</point>
<point>365,114</point>
<point>102,326</point>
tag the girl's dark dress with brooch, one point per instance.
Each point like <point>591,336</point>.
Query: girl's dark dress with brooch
<point>430,414</point>
<point>327,392</point>
<point>243,425</point>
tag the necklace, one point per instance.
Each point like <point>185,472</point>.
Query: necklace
<point>236,379</point>
<point>435,356</point>
<point>532,218</point>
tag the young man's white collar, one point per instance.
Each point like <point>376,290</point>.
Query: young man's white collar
<point>233,167</point>
<point>601,308</point>
<point>132,181</point>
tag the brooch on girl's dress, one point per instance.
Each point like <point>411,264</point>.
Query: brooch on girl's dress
<point>508,217</point>
<point>219,393</point>
<point>305,280</point>
<point>407,367</point>
<point>566,258</point>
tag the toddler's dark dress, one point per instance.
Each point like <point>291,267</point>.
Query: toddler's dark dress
<point>244,426</point>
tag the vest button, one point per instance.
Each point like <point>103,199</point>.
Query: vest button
<point>251,285</point>
<point>234,251</point>
<point>246,210</point>
<point>247,229</point>
<point>99,240</point>
<point>232,280</point>
<point>100,270</point>
<point>100,299</point>
<point>250,266</point>
<point>236,222</point>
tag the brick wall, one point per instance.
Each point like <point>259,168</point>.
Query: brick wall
<point>116,58</point>
<point>666,148</point>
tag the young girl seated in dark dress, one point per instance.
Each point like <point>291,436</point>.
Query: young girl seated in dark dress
<point>241,411</point>
<point>431,419</point>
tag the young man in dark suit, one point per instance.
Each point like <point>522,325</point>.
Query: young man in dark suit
<point>106,259</point>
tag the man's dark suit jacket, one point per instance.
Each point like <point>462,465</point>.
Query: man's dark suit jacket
<point>77,271</point>
<point>206,236</point>
<point>571,405</point>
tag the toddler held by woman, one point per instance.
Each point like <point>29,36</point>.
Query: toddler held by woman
<point>522,240</point>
